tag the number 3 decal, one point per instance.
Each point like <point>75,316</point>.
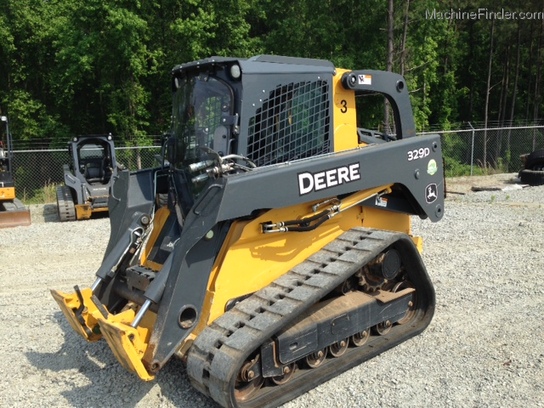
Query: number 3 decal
<point>344,107</point>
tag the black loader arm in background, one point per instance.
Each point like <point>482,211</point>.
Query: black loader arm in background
<point>390,85</point>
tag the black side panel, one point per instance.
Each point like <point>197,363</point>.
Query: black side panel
<point>131,192</point>
<point>6,180</point>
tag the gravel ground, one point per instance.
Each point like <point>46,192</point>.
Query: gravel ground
<point>484,347</point>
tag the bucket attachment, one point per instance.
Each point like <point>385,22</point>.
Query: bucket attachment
<point>91,320</point>
<point>127,343</point>
<point>80,312</point>
<point>15,218</point>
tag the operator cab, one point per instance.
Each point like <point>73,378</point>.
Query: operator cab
<point>93,161</point>
<point>231,115</point>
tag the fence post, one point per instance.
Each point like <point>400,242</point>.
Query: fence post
<point>471,148</point>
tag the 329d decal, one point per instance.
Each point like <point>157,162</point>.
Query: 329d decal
<point>420,153</point>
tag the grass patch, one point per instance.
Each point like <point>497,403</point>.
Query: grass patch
<point>46,194</point>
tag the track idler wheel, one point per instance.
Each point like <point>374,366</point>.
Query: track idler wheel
<point>338,348</point>
<point>249,379</point>
<point>359,339</point>
<point>317,358</point>
<point>288,372</point>
<point>410,313</point>
<point>383,328</point>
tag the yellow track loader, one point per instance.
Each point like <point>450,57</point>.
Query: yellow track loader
<point>12,211</point>
<point>271,250</point>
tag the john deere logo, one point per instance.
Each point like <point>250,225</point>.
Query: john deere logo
<point>431,193</point>
<point>309,182</point>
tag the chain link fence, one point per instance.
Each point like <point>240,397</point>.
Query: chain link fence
<point>466,152</point>
<point>487,151</point>
<point>39,172</point>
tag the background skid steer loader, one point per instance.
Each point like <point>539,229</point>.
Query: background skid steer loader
<point>88,177</point>
<point>272,250</point>
<point>12,211</point>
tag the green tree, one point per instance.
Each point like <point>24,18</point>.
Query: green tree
<point>25,63</point>
<point>68,67</point>
<point>101,59</point>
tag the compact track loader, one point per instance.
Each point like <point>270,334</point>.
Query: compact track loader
<point>272,249</point>
<point>88,177</point>
<point>13,213</point>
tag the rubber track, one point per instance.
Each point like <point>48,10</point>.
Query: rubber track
<point>65,204</point>
<point>220,350</point>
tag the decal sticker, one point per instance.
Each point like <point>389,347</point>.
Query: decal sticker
<point>432,168</point>
<point>365,79</point>
<point>309,182</point>
<point>431,193</point>
<point>381,201</point>
<point>420,153</point>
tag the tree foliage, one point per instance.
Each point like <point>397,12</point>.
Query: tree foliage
<point>69,67</point>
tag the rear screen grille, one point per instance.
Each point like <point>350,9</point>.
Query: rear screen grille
<point>292,123</point>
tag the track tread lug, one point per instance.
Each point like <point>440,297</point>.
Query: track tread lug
<point>262,321</point>
<point>283,306</point>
